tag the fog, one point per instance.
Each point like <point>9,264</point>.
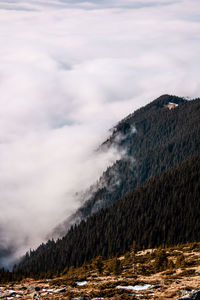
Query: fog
<point>69,70</point>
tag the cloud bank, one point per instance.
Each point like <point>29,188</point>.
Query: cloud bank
<point>69,70</point>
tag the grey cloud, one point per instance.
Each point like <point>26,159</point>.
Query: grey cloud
<point>83,4</point>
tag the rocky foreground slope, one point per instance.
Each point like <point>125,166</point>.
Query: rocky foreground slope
<point>172,273</point>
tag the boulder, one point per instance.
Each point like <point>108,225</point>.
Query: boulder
<point>58,291</point>
<point>35,296</point>
<point>32,289</point>
<point>11,293</point>
<point>194,295</point>
<point>80,298</point>
<point>2,295</point>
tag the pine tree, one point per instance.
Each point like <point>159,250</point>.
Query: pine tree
<point>98,264</point>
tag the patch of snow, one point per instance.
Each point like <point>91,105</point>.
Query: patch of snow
<point>135,287</point>
<point>81,283</point>
<point>11,291</point>
<point>173,103</point>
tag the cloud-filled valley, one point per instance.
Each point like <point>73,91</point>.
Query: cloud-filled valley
<point>69,70</point>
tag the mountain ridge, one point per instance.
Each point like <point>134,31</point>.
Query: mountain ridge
<point>131,135</point>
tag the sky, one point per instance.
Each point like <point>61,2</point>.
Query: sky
<point>69,71</point>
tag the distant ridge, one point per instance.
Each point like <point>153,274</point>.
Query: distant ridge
<point>155,139</point>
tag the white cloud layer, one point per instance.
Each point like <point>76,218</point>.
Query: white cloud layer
<point>69,70</point>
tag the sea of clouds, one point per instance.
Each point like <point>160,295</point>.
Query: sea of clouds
<point>69,70</point>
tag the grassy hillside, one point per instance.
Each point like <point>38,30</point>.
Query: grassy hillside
<point>164,273</point>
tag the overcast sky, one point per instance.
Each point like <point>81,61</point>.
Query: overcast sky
<point>69,70</point>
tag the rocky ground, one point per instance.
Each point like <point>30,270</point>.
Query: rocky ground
<point>175,282</point>
<point>105,288</point>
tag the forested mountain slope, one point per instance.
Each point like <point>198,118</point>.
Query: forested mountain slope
<point>154,139</point>
<point>163,211</point>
